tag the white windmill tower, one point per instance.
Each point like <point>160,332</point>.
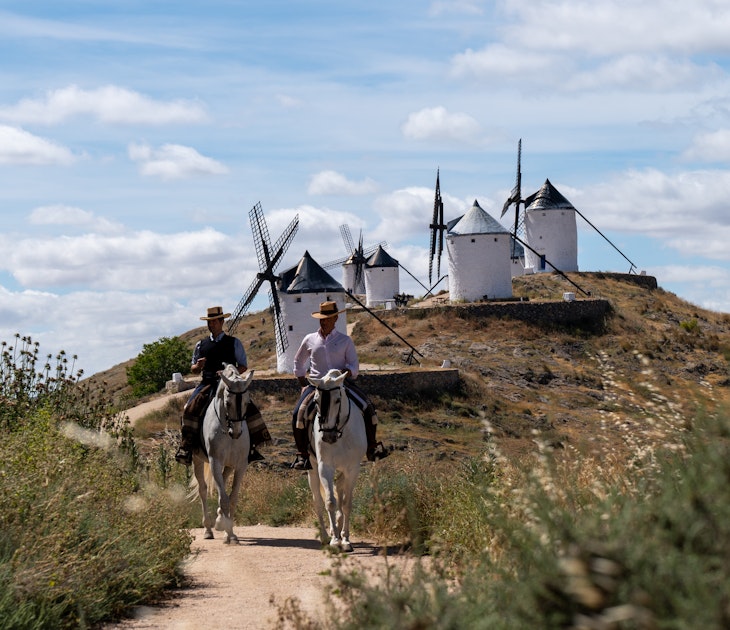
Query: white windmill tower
<point>382,278</point>
<point>301,289</point>
<point>550,231</point>
<point>478,249</point>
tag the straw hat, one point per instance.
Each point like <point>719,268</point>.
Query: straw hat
<point>327,309</point>
<point>215,312</point>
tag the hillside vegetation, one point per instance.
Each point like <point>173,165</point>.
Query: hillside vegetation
<point>578,478</point>
<point>657,362</point>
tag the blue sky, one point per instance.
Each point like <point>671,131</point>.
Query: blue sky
<point>136,136</point>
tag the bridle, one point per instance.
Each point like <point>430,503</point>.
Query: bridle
<point>240,413</point>
<point>331,434</point>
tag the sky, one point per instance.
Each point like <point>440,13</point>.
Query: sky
<point>136,136</point>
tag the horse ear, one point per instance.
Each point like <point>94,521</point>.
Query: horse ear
<point>340,379</point>
<point>316,382</point>
<point>248,377</point>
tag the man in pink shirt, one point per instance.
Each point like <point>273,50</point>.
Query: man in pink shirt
<point>321,351</point>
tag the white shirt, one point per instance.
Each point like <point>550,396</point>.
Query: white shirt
<point>320,354</point>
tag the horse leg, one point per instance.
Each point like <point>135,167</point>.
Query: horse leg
<point>316,488</point>
<point>199,469</point>
<point>327,476</point>
<point>346,488</point>
<point>223,521</point>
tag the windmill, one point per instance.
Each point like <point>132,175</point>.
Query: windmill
<point>357,258</point>
<point>437,227</point>
<point>269,258</point>
<point>516,198</point>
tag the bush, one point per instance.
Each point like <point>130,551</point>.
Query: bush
<point>156,364</point>
<point>83,538</point>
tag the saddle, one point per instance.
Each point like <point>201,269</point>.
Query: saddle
<point>308,409</point>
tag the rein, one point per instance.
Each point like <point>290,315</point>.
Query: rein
<point>331,435</point>
<point>240,411</point>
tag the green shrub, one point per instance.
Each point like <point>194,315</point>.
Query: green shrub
<point>156,364</point>
<point>83,539</point>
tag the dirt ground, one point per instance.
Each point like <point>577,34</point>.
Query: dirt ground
<point>232,586</point>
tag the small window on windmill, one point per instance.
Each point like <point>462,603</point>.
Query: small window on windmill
<point>291,327</point>
<point>473,240</point>
<point>543,214</point>
<point>496,239</point>
<point>299,299</point>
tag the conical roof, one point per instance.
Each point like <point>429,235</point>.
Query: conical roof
<point>381,258</point>
<point>307,277</point>
<point>547,198</point>
<point>476,221</point>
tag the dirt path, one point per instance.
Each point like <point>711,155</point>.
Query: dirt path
<point>231,585</point>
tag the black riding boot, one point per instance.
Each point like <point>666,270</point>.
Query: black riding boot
<point>301,439</point>
<point>376,450</point>
<point>188,440</point>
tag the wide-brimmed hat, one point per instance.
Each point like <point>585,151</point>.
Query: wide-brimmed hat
<point>327,309</point>
<point>215,312</point>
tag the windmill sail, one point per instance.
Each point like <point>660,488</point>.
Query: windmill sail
<point>268,258</point>
<point>437,228</point>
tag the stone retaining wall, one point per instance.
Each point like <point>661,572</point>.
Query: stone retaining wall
<point>386,384</point>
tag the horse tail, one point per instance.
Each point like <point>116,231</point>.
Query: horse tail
<point>209,481</point>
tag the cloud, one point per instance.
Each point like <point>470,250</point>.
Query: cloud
<point>62,215</point>
<point>173,161</point>
<point>501,61</point>
<point>436,123</point>
<point>713,146</point>
<point>334,183</point>
<point>134,261</point>
<point>17,146</point>
<point>687,210</point>
<point>109,104</point>
<point>609,27</point>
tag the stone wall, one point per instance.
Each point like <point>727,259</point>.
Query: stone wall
<point>586,313</point>
<point>382,383</point>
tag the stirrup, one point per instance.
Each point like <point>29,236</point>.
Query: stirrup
<point>301,463</point>
<point>379,452</point>
<point>184,456</point>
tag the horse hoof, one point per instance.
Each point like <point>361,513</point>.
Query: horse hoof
<point>208,535</point>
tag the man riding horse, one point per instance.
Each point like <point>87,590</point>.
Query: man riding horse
<point>319,352</point>
<point>208,358</point>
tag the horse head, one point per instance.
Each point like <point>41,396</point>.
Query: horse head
<point>233,398</point>
<point>329,397</point>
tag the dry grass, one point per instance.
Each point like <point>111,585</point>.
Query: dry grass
<point>606,396</point>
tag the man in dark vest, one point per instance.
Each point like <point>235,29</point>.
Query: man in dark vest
<point>208,358</point>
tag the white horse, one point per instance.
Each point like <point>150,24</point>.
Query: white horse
<point>226,443</point>
<point>339,445</point>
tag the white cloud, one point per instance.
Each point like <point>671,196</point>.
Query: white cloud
<point>17,146</point>
<point>437,123</point>
<point>173,161</point>
<point>71,216</point>
<point>108,104</point>
<point>687,210</point>
<point>713,146</point>
<point>608,27</point>
<point>502,61</point>
<point>131,261</point>
<point>334,183</point>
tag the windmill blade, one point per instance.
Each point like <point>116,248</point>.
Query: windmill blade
<point>347,237</point>
<point>440,248</point>
<point>243,305</point>
<point>436,223</point>
<point>282,341</point>
<point>267,261</point>
<point>282,245</point>
<point>516,194</point>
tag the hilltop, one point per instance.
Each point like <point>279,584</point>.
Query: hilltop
<point>655,361</point>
